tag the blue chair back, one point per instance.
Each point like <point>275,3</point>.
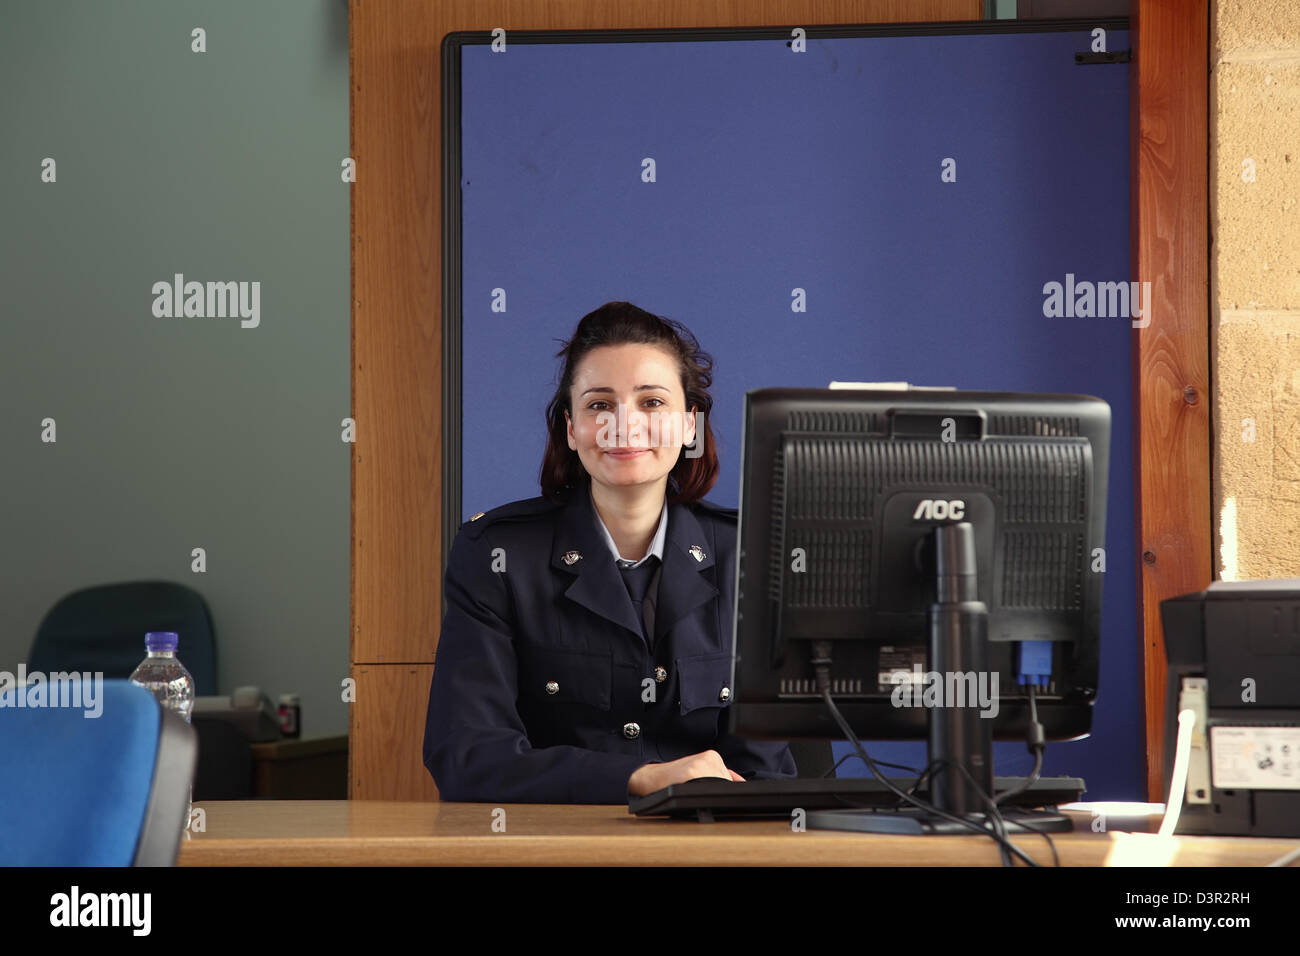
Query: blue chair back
<point>100,780</point>
<point>103,628</point>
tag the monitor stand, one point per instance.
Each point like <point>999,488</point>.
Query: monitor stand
<point>958,735</point>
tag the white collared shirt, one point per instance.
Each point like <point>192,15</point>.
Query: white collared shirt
<point>656,545</point>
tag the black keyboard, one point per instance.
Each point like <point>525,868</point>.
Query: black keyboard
<point>714,797</point>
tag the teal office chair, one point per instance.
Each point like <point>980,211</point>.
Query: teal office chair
<point>102,629</point>
<point>86,790</point>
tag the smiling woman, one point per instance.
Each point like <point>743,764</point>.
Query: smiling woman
<point>628,423</point>
<point>586,650</point>
<point>624,370</point>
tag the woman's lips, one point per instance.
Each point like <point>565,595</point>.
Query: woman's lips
<point>628,453</point>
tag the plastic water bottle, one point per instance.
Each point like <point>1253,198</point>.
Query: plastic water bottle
<point>166,678</point>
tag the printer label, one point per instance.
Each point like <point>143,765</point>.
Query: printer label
<point>1255,758</point>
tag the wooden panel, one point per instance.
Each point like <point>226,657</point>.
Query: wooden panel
<point>385,760</point>
<point>395,49</point>
<point>1171,355</point>
<point>396,484</point>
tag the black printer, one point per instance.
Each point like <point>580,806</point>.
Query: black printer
<point>1233,653</point>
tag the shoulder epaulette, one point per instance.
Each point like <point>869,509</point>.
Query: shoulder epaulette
<point>732,514</point>
<point>520,510</point>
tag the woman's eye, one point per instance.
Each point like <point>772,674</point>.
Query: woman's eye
<point>601,405</point>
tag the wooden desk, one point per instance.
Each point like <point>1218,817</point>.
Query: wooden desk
<point>378,833</point>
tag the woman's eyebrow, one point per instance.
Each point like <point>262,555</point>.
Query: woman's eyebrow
<point>606,388</point>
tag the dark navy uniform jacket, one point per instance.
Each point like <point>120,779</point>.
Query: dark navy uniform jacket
<point>544,689</point>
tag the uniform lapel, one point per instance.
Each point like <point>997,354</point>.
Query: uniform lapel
<point>580,550</point>
<point>688,551</point>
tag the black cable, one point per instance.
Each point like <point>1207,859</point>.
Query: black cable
<point>1004,843</point>
<point>938,762</point>
<point>1037,745</point>
<point>929,808</point>
<point>881,763</point>
<point>1056,860</point>
<point>821,661</point>
<point>928,771</point>
<point>996,830</point>
<point>1051,845</point>
<point>998,823</point>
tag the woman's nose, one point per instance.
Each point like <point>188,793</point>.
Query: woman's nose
<point>634,424</point>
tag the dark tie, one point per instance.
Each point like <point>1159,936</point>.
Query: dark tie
<point>639,581</point>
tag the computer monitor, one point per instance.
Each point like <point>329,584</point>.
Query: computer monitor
<point>852,504</point>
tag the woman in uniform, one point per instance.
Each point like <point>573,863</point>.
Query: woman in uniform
<point>586,649</point>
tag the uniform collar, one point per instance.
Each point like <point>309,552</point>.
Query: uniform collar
<point>579,548</point>
<point>656,545</point>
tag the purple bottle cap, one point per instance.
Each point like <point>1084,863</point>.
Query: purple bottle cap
<point>161,641</point>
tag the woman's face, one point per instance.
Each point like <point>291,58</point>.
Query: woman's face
<point>629,418</point>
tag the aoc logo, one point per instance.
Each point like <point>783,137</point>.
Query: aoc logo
<point>939,509</point>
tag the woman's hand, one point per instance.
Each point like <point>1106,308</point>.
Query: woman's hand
<point>656,776</point>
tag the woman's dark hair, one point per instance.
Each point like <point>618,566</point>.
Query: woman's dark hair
<point>622,323</point>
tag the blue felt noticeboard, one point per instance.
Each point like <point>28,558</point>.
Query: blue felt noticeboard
<point>821,171</point>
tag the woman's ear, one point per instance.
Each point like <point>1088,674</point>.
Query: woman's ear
<point>568,432</point>
<point>688,432</point>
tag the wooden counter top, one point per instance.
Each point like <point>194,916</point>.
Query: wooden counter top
<point>380,833</point>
